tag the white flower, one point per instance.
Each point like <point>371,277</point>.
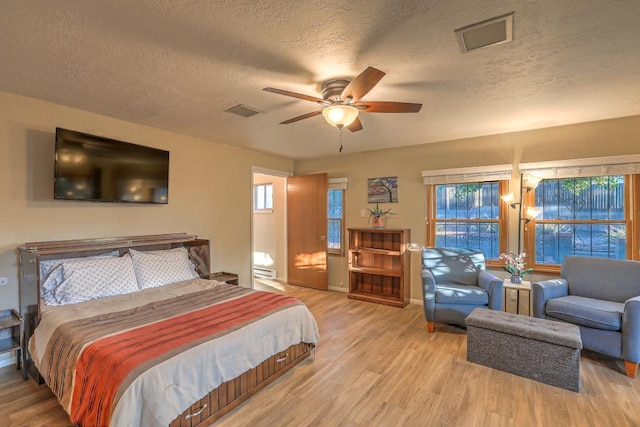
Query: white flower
<point>515,264</point>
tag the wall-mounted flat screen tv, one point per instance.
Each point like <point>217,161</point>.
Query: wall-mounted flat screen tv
<point>93,168</point>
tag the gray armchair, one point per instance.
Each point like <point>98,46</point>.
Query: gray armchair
<point>454,282</point>
<point>600,296</point>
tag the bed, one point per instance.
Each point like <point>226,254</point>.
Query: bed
<point>178,354</point>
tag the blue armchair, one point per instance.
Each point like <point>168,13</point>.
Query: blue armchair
<point>600,296</point>
<point>454,282</point>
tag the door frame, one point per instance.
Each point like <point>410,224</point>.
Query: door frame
<point>272,172</point>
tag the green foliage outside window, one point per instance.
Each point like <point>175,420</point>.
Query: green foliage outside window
<point>464,190</point>
<point>577,185</point>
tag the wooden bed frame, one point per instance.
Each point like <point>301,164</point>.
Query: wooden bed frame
<point>212,406</point>
<point>234,392</point>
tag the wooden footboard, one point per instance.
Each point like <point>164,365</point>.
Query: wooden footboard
<point>233,392</point>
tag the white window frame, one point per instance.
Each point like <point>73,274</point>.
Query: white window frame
<point>265,202</point>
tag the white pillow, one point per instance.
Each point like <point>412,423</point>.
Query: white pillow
<point>51,273</point>
<point>158,268</point>
<point>89,279</point>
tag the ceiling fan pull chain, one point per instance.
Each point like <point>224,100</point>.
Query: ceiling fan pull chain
<point>340,127</point>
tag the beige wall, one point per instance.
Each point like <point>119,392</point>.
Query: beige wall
<point>595,139</point>
<point>269,228</point>
<point>210,183</point>
<point>210,191</point>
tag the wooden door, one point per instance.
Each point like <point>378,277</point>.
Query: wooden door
<point>307,230</point>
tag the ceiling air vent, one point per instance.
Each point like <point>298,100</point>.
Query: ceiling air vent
<point>243,110</point>
<point>486,33</point>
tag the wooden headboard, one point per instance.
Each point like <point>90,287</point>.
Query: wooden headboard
<point>30,255</point>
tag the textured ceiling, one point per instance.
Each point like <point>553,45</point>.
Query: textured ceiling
<point>177,65</point>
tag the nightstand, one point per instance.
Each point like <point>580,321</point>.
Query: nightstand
<point>517,298</point>
<point>223,276</point>
<point>11,335</point>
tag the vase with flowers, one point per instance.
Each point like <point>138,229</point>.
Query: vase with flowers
<point>378,217</point>
<point>515,265</point>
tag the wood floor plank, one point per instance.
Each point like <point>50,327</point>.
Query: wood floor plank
<point>378,366</point>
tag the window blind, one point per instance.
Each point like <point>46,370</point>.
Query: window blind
<point>465,175</point>
<point>577,168</point>
<point>338,183</point>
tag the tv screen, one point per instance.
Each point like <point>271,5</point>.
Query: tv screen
<point>93,168</point>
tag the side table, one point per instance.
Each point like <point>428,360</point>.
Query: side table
<point>223,276</point>
<point>517,298</point>
<point>11,333</point>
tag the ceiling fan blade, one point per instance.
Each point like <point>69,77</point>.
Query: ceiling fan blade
<point>294,95</point>
<point>362,84</point>
<point>356,125</point>
<point>302,117</point>
<point>387,107</point>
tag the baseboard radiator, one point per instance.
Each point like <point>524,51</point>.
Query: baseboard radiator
<point>264,272</point>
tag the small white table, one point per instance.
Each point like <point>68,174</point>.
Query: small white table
<point>517,298</point>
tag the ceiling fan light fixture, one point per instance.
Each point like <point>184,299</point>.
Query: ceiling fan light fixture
<point>340,115</point>
<point>341,101</point>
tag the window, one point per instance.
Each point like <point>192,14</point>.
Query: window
<point>335,215</point>
<point>263,197</point>
<point>585,215</point>
<point>590,207</point>
<point>464,209</point>
<point>468,215</point>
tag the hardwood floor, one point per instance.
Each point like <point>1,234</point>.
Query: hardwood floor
<point>377,366</point>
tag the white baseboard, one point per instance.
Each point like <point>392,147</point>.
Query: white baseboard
<point>416,301</point>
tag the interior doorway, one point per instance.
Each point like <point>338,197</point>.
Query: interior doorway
<point>269,224</point>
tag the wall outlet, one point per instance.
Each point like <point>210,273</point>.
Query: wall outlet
<point>4,281</point>
<point>363,213</point>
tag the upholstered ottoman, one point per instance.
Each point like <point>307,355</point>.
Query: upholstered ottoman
<point>539,349</point>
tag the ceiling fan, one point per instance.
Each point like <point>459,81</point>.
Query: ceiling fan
<point>341,101</point>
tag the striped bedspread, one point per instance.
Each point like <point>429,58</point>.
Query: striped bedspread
<point>142,361</point>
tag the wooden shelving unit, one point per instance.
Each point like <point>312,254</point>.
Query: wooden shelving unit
<point>379,265</point>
